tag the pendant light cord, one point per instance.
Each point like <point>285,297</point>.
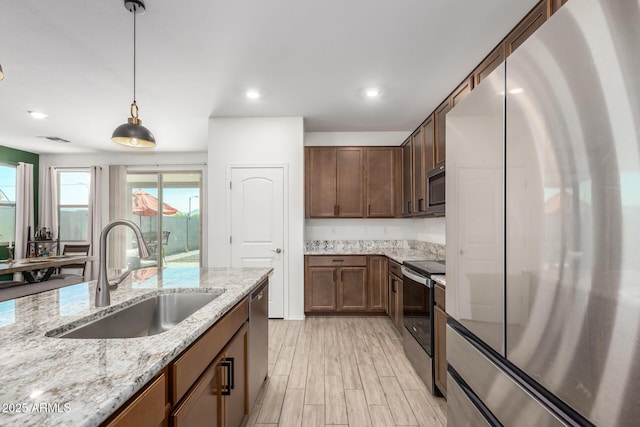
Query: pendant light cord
<point>135,9</point>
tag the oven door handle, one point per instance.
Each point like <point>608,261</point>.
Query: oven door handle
<point>416,277</point>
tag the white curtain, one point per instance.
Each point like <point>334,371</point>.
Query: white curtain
<point>94,224</point>
<point>119,207</point>
<point>49,202</point>
<point>24,210</point>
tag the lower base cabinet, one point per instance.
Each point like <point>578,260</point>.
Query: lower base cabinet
<point>148,408</point>
<point>205,385</point>
<point>219,396</point>
<point>351,284</point>
<point>395,295</point>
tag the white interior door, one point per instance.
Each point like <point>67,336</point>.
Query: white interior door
<point>257,226</point>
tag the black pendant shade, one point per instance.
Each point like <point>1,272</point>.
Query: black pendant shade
<point>132,133</point>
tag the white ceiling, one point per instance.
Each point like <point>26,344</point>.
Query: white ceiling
<point>313,58</point>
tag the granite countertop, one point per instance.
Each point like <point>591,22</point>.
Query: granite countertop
<point>398,255</point>
<point>439,278</point>
<point>80,382</point>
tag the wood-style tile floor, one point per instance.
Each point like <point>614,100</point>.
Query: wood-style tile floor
<point>342,371</point>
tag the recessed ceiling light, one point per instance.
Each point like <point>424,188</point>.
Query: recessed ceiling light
<point>372,92</point>
<point>37,114</point>
<point>253,94</point>
<point>516,90</point>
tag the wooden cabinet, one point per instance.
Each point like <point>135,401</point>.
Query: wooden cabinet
<point>419,184</point>
<point>378,289</point>
<point>526,27</point>
<point>407,178</point>
<point>554,5</point>
<point>219,396</point>
<point>352,288</point>
<point>345,284</point>
<point>321,182</point>
<point>320,290</point>
<point>341,181</point>
<point>147,408</point>
<point>429,150</point>
<point>335,182</point>
<point>488,64</point>
<point>440,341</point>
<point>395,295</point>
<point>382,188</point>
<point>334,284</point>
<point>418,154</point>
<point>440,130</point>
<point>350,182</point>
<point>234,388</point>
<point>461,91</point>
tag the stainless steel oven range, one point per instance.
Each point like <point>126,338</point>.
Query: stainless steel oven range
<point>417,309</point>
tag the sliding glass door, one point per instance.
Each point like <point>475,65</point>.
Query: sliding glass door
<point>166,207</point>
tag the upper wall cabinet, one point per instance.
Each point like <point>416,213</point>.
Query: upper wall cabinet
<point>418,158</point>
<point>407,178</point>
<point>382,192</point>
<point>490,63</point>
<point>342,181</point>
<point>440,133</point>
<point>526,27</point>
<point>554,5</point>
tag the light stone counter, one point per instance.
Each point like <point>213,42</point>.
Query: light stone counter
<point>397,250</point>
<point>80,382</point>
<point>440,278</point>
<point>398,255</point>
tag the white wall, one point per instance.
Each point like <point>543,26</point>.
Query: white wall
<point>259,141</point>
<point>355,138</point>
<point>424,229</point>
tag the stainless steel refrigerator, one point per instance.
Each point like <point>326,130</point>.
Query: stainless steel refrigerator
<point>543,229</point>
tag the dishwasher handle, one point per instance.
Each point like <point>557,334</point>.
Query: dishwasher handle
<point>258,294</point>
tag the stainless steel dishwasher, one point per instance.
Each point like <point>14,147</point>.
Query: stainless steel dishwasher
<point>258,339</point>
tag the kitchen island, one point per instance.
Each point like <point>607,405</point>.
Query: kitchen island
<point>81,382</point>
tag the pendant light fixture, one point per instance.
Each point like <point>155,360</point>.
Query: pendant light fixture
<point>1,73</point>
<point>132,133</point>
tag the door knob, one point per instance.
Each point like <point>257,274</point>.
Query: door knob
<point>276,250</point>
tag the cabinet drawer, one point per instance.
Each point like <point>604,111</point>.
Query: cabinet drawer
<point>188,367</point>
<point>202,404</point>
<point>337,261</point>
<point>395,268</point>
<point>439,296</point>
<point>148,409</point>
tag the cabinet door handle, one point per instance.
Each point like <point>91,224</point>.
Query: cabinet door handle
<point>369,210</point>
<point>338,207</point>
<point>338,260</point>
<point>409,206</point>
<point>335,276</point>
<point>335,210</point>
<point>228,363</point>
<point>393,285</point>
<point>420,202</point>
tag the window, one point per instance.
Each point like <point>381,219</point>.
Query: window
<point>73,204</point>
<point>7,203</point>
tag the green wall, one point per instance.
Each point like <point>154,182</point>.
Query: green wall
<point>11,156</point>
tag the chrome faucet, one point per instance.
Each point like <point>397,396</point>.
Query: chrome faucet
<point>103,296</point>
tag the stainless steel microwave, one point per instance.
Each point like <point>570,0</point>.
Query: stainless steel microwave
<point>435,191</point>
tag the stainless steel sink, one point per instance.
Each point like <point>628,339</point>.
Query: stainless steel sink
<point>150,316</point>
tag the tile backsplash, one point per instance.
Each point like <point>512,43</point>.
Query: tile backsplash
<point>432,250</point>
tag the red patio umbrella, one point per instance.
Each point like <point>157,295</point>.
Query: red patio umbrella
<point>144,204</point>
